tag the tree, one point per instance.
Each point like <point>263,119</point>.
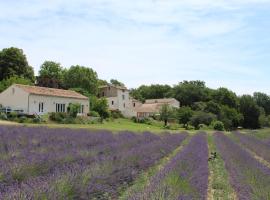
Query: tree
<point>81,77</point>
<point>262,100</point>
<point>50,75</point>
<point>73,109</point>
<point>116,82</point>
<point>201,117</point>
<point>213,107</point>
<point>101,107</point>
<point>230,117</point>
<point>250,111</point>
<point>155,91</point>
<point>224,96</point>
<point>12,80</point>
<point>166,113</point>
<point>217,125</point>
<point>184,115</point>
<point>13,62</point>
<point>189,92</point>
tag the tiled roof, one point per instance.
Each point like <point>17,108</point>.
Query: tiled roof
<point>149,108</point>
<point>165,100</point>
<point>51,92</point>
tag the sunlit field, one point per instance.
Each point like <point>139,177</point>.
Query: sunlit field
<point>48,163</point>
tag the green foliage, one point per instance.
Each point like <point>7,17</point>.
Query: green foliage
<point>166,113</point>
<point>201,117</point>
<point>199,106</point>
<point>116,82</point>
<point>250,111</point>
<point>93,114</point>
<point>189,92</point>
<point>3,116</point>
<point>50,75</point>
<point>101,106</point>
<point>81,77</point>
<point>218,125</point>
<point>13,62</point>
<point>262,100</point>
<point>58,117</point>
<point>230,117</point>
<point>151,92</point>
<point>213,107</point>
<point>115,114</point>
<point>223,96</point>
<point>4,84</point>
<point>184,115</point>
<point>73,109</point>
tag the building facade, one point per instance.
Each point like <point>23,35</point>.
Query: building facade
<point>41,100</point>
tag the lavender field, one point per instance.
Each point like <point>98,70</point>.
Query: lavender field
<point>44,163</point>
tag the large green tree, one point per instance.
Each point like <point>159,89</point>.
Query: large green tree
<point>116,82</point>
<point>189,92</point>
<point>250,111</point>
<point>101,107</point>
<point>262,100</point>
<point>13,62</point>
<point>155,91</point>
<point>81,77</point>
<point>4,84</point>
<point>51,75</point>
<point>166,112</point>
<point>230,117</point>
<point>184,115</point>
<point>224,96</point>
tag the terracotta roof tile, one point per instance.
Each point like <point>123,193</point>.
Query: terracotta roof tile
<point>51,92</point>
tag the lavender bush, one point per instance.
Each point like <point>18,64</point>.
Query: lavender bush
<point>42,163</point>
<point>184,177</point>
<point>257,146</point>
<point>249,178</point>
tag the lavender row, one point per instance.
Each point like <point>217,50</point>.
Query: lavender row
<point>184,177</point>
<point>114,165</point>
<point>255,145</point>
<point>249,178</point>
<point>35,152</point>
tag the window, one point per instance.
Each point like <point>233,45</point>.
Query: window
<point>112,102</point>
<point>60,107</point>
<point>82,108</point>
<point>123,97</point>
<point>124,105</point>
<point>13,90</point>
<point>41,107</point>
<point>134,104</point>
<point>103,94</point>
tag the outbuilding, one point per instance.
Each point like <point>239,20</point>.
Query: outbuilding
<point>41,100</point>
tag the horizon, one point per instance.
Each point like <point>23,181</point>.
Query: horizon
<point>224,43</point>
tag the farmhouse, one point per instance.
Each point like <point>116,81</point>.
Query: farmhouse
<point>41,100</point>
<point>119,99</point>
<point>152,107</point>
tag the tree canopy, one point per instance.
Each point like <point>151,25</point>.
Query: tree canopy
<point>51,74</point>
<point>13,62</point>
<point>81,77</point>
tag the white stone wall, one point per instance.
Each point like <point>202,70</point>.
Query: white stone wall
<point>15,98</point>
<point>51,101</point>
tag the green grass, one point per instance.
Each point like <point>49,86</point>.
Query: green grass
<point>114,126</point>
<point>219,185</point>
<point>260,134</point>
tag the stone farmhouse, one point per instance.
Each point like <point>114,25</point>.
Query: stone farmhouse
<point>119,99</point>
<point>35,100</point>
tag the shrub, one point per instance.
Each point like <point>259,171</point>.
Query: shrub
<point>13,115</point>
<point>202,118</point>
<point>115,114</point>
<point>73,109</point>
<point>22,119</point>
<point>218,125</point>
<point>93,114</point>
<point>3,116</point>
<point>58,117</point>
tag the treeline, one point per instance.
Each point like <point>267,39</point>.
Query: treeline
<point>203,105</point>
<point>200,104</point>
<point>14,68</point>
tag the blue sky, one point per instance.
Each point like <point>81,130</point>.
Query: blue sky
<point>223,42</point>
